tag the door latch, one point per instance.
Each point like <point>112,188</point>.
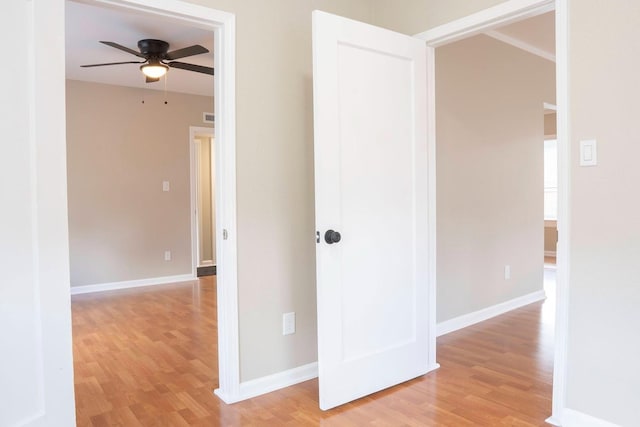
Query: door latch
<point>225,234</point>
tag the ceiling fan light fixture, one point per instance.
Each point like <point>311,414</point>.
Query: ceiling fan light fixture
<point>155,54</point>
<point>154,70</point>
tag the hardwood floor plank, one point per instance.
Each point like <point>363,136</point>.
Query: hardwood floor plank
<point>147,357</point>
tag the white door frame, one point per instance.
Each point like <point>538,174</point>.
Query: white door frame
<point>222,24</point>
<point>194,168</point>
<point>502,14</point>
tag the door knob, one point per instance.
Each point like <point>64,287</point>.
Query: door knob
<point>332,237</point>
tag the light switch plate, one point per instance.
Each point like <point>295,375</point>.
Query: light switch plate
<point>588,153</point>
<point>165,186</point>
<point>288,323</point>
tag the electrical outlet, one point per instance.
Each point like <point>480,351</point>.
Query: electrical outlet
<point>507,272</point>
<point>167,255</point>
<point>166,186</point>
<point>288,323</point>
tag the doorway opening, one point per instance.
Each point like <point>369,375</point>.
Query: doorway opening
<point>222,25</point>
<point>494,17</point>
<point>203,191</point>
<point>550,185</point>
<point>489,98</point>
<point>550,199</point>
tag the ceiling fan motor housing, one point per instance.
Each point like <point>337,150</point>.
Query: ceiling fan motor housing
<point>153,48</point>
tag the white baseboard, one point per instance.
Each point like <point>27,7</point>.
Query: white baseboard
<point>100,287</point>
<point>465,320</point>
<point>571,418</point>
<point>550,253</point>
<point>263,385</point>
<point>553,421</point>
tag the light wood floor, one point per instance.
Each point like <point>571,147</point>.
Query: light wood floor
<point>147,357</point>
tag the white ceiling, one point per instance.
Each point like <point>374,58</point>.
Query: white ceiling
<point>86,25</point>
<point>536,35</point>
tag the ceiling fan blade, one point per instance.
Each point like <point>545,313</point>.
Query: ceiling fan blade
<point>113,63</point>
<point>151,79</point>
<point>196,49</point>
<point>126,49</point>
<point>191,67</point>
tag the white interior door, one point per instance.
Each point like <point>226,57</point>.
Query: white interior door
<point>372,183</point>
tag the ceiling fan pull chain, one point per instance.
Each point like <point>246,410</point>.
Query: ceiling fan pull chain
<point>166,76</point>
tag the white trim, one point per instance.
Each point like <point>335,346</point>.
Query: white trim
<point>53,397</point>
<point>572,418</point>
<point>553,108</point>
<point>196,131</point>
<point>277,381</point>
<point>553,421</point>
<point>35,79</point>
<point>127,284</point>
<point>225,197</point>
<point>503,13</point>
<point>563,259</point>
<point>191,14</point>
<point>466,320</point>
<point>550,253</point>
<point>223,24</point>
<point>194,173</point>
<point>432,197</point>
<point>517,43</point>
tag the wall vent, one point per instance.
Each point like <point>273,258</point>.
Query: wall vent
<point>208,117</point>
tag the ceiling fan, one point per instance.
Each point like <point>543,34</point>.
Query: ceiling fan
<point>158,59</point>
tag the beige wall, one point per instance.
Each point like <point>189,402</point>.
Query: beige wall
<point>489,98</point>
<point>603,348</point>
<point>206,209</point>
<point>550,126</point>
<point>550,238</point>
<point>415,16</point>
<point>119,151</point>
